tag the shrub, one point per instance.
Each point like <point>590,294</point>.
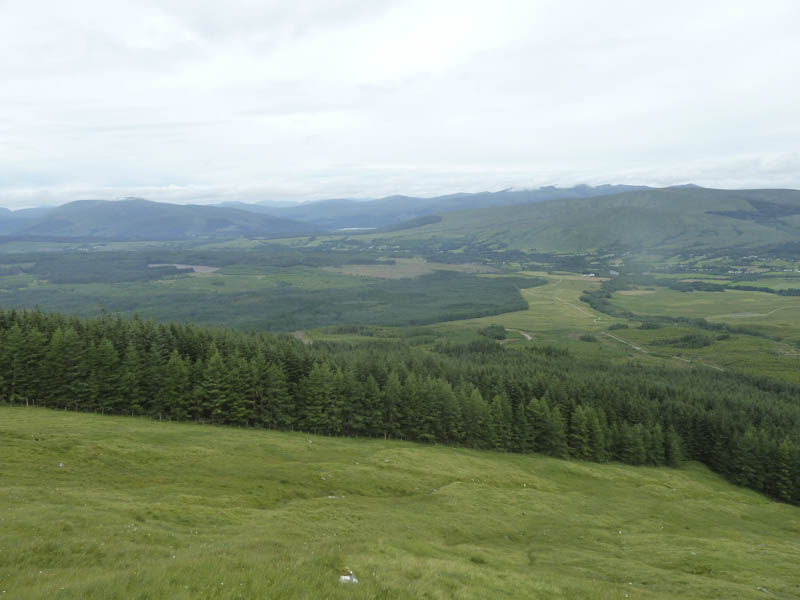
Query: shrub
<point>495,332</point>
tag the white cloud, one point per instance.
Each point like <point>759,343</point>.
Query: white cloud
<point>194,101</point>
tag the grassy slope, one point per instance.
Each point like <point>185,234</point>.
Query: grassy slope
<point>669,219</point>
<point>155,510</point>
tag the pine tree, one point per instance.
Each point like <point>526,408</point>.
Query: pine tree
<point>279,408</point>
<point>476,420</point>
<point>597,435</point>
<point>240,392</point>
<point>520,430</point>
<point>579,444</point>
<point>373,408</point>
<point>655,446</point>
<point>784,482</point>
<point>130,377</point>
<point>558,447</point>
<point>176,390</point>
<point>317,398</point>
<point>65,359</point>
<point>538,415</point>
<point>214,390</point>
<point>392,396</point>
<point>106,378</point>
<point>673,453</point>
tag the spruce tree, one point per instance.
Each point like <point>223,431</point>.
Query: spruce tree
<point>579,443</point>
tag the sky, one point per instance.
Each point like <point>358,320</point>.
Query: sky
<point>256,101</point>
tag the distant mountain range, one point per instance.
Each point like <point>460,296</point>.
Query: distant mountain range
<point>547,219</point>
<point>668,219</point>
<point>137,219</point>
<point>348,213</point>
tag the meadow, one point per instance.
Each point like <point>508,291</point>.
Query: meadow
<point>142,509</point>
<point>767,311</point>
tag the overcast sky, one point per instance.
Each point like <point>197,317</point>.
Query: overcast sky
<point>210,101</point>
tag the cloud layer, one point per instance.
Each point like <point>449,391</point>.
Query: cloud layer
<point>274,100</point>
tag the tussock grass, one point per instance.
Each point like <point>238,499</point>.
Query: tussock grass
<point>143,509</point>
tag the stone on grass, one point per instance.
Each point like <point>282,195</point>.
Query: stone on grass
<point>350,578</point>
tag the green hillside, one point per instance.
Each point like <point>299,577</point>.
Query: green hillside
<point>142,509</point>
<point>656,219</point>
<point>136,219</point>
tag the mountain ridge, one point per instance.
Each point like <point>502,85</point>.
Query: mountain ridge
<point>139,219</point>
<point>665,218</point>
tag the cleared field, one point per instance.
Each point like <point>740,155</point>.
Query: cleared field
<point>776,283</point>
<point>555,306</point>
<point>195,268</point>
<point>776,356</point>
<point>731,306</point>
<point>404,268</point>
<point>556,316</point>
<point>142,509</point>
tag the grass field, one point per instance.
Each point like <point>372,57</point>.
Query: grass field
<point>403,268</point>
<point>775,316</point>
<point>142,509</point>
<point>772,313</point>
<point>556,316</point>
<point>555,307</point>
<point>774,281</point>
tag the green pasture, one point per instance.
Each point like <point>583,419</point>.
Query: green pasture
<point>555,316</point>
<point>142,509</point>
<point>554,307</point>
<point>748,354</point>
<point>407,267</point>
<point>776,281</point>
<point>777,314</point>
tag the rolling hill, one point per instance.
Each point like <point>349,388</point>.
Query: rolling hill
<point>137,219</point>
<point>667,219</point>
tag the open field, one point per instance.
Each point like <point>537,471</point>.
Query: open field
<point>556,316</point>
<point>142,509</point>
<point>555,306</point>
<point>408,268</point>
<point>768,311</point>
<point>774,281</point>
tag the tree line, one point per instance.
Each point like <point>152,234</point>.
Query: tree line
<point>476,394</point>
